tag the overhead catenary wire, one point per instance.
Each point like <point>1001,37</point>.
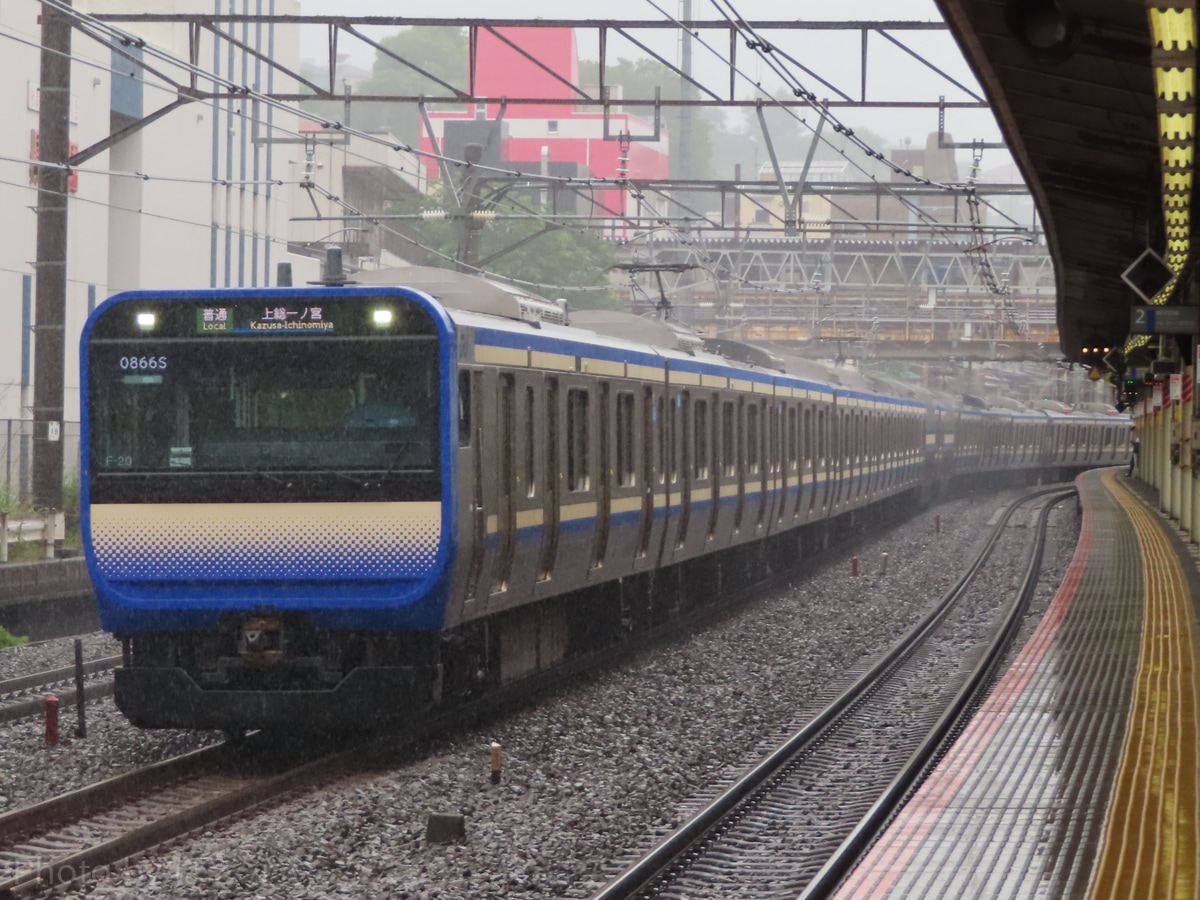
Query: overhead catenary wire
<point>764,49</point>
<point>75,198</point>
<point>484,273</point>
<point>111,36</point>
<point>589,183</point>
<point>225,182</point>
<point>120,37</point>
<point>89,25</point>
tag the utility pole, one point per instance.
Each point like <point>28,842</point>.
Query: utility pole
<point>687,130</point>
<point>469,225</point>
<point>686,92</point>
<point>49,330</point>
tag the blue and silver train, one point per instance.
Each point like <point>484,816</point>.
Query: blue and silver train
<point>314,506</point>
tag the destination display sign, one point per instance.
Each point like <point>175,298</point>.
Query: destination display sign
<point>1164,320</point>
<point>274,314</point>
<point>245,318</point>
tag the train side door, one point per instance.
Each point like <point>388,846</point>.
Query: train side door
<point>579,510</point>
<point>603,443</point>
<point>821,451</point>
<point>715,466</point>
<point>837,427</point>
<point>551,478</point>
<point>503,521</point>
<point>808,460</point>
<point>681,460</point>
<point>472,517</point>
<point>652,472</point>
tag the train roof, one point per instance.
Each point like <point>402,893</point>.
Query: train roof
<point>470,293</point>
<point>624,333</point>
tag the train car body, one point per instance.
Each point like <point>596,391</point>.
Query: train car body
<point>298,501</point>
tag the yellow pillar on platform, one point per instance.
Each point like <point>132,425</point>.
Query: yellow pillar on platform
<point>1187,484</point>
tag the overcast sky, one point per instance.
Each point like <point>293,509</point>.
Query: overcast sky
<point>834,56</point>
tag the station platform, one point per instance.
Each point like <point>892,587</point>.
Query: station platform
<point>1080,775</point>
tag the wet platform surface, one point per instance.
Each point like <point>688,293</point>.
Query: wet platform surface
<point>1078,776</point>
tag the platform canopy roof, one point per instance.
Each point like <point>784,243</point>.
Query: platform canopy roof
<point>1092,97</point>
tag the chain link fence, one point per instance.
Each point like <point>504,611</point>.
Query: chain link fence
<point>16,456</point>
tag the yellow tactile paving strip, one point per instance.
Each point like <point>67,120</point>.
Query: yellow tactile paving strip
<point>1150,846</point>
<point>1021,806</point>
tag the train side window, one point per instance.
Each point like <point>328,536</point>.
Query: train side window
<point>776,448</point>
<point>577,441</point>
<point>648,437</point>
<point>700,454</point>
<point>678,436</point>
<point>793,441</point>
<point>671,448</point>
<point>660,443</point>
<point>530,445</point>
<point>806,448</point>
<point>715,441</point>
<point>464,408</point>
<point>728,444</point>
<point>625,464</point>
<point>752,438</point>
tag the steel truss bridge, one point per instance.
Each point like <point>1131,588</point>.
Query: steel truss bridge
<point>905,299</point>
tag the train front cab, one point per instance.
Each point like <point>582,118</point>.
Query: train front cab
<point>267,500</point>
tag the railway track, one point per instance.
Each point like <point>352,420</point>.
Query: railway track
<point>79,835</point>
<point>797,821</point>
<point>76,835</point>
<point>25,696</point>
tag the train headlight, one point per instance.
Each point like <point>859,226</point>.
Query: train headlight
<point>146,320</point>
<point>382,317</point>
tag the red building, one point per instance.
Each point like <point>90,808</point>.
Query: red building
<point>558,137</point>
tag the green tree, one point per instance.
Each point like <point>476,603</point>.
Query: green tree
<point>560,262</point>
<point>440,51</point>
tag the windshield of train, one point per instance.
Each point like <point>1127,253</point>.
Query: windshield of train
<point>285,418</point>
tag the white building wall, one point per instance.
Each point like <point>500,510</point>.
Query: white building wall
<point>171,229</point>
<point>87,208</point>
<point>18,63</point>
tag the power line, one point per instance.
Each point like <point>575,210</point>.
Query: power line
<point>118,37</point>
<point>763,48</point>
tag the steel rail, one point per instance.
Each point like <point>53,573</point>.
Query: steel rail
<point>36,706</point>
<point>54,676</point>
<point>933,746</point>
<point>153,830</point>
<point>642,873</point>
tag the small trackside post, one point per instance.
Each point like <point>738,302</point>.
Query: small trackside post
<point>497,757</point>
<point>81,725</point>
<point>51,719</point>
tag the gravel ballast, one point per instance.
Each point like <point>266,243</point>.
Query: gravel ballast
<point>593,774</point>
